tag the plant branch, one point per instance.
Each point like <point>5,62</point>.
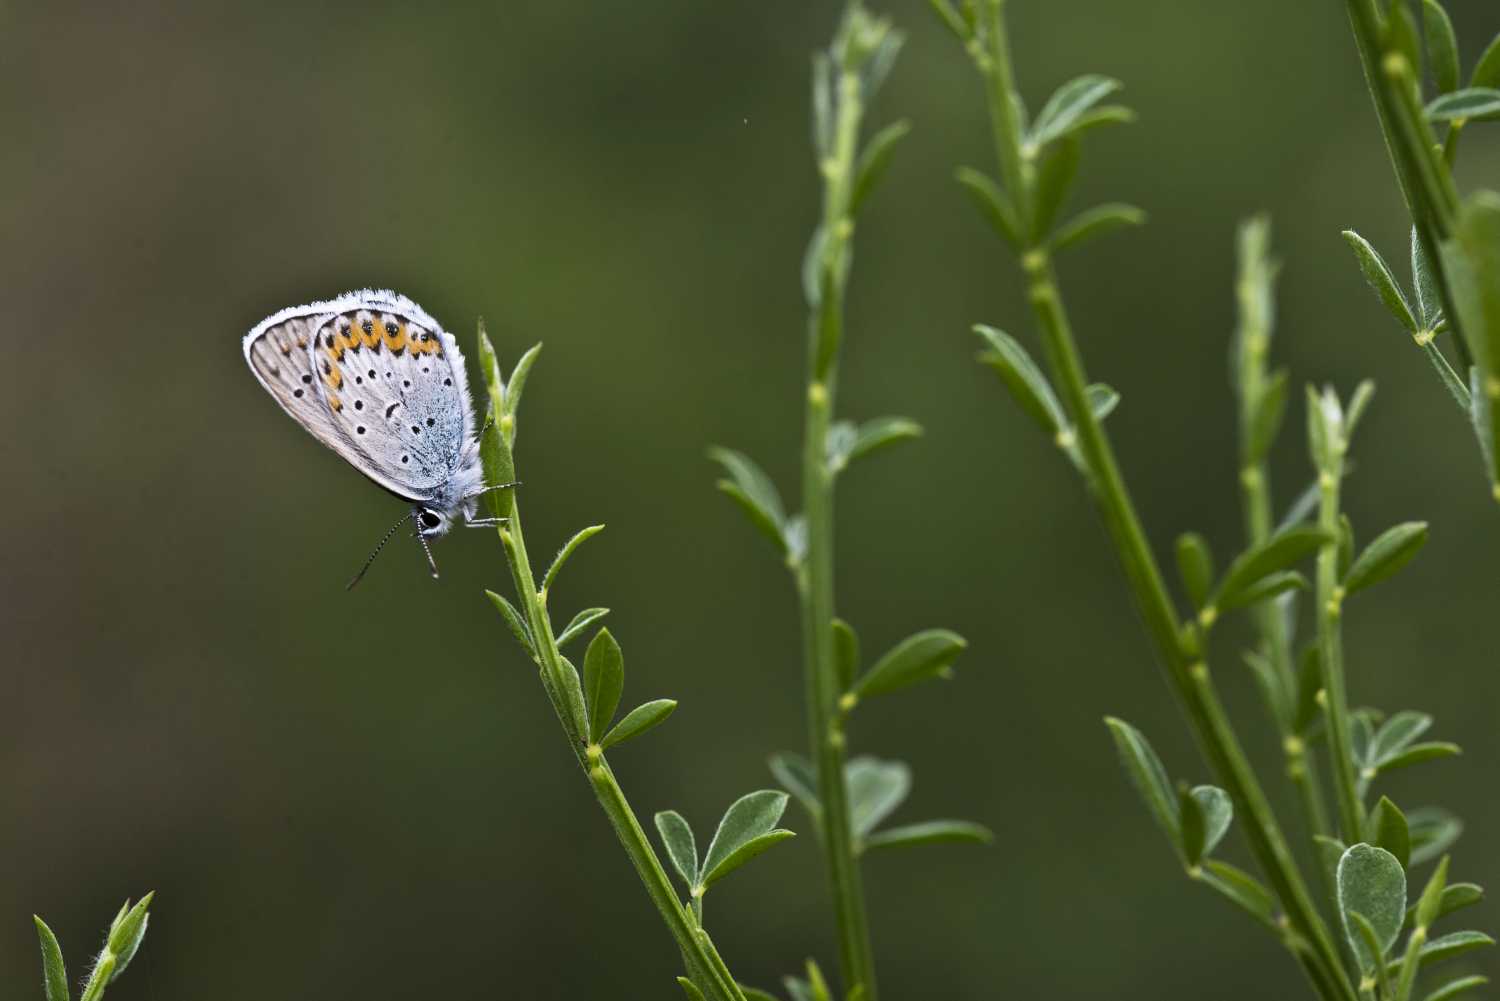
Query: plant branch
<point>1186,669</point>
<point>704,965</point>
<point>815,575</point>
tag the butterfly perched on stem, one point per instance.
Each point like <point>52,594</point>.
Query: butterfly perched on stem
<point>373,377</point>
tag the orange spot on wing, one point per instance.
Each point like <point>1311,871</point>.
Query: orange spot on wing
<point>395,342</point>
<point>336,403</point>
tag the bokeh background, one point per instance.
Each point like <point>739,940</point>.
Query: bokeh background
<point>365,795</point>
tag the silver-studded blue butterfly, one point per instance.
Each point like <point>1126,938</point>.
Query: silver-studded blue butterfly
<point>377,380</point>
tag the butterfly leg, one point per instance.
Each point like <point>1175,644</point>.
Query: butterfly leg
<point>490,490</point>
<point>486,522</point>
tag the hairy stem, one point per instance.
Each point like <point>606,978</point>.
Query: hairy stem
<point>704,965</point>
<point>815,575</point>
<point>1186,669</point>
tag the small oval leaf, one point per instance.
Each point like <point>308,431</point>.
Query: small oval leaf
<point>640,719</point>
<point>1371,882</point>
<point>677,838</point>
<point>749,817</point>
<point>603,682</point>
<point>921,656</point>
<point>1392,550</point>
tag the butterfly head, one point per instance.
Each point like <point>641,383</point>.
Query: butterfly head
<point>432,523</point>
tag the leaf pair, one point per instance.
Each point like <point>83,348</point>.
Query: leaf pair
<point>1034,393</point>
<point>1053,184</point>
<point>920,657</point>
<point>1393,745</point>
<point>1259,573</point>
<point>747,828</point>
<point>875,789</point>
<point>848,441</point>
<point>603,684</point>
<point>1194,819</point>
<point>749,487</point>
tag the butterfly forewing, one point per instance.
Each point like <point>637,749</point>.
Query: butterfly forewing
<point>392,385</point>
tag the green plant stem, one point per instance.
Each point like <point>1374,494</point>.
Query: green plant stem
<point>1329,602</point>
<point>815,574</point>
<point>704,965</point>
<point>1186,670</point>
<point>1424,178</point>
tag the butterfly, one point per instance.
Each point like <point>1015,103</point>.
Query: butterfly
<point>373,377</point>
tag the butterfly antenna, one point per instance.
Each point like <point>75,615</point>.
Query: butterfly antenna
<point>360,576</point>
<point>428,550</point>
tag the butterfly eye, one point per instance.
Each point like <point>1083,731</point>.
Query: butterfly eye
<point>430,520</point>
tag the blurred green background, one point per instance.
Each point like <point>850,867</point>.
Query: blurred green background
<point>365,795</point>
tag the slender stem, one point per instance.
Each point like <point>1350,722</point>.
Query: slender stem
<point>1186,670</point>
<point>1330,640</point>
<point>815,574</point>
<point>704,965</point>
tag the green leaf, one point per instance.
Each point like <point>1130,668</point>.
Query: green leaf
<point>753,490</point>
<point>1429,303</point>
<point>1147,775</point>
<point>1025,380</point>
<point>747,828</point>
<point>875,788</point>
<point>929,832</point>
<point>797,989</point>
<point>54,974</point>
<point>603,680</point>
<point>1103,399</point>
<point>640,719</point>
<point>127,933</point>
<point>1265,589</point>
<point>677,838</point>
<point>1428,906</point>
<point>517,383</point>
<point>1454,988</point>
<point>1094,222</point>
<point>580,623</point>
<point>1272,556</point>
<point>690,989</point>
<point>1418,753</point>
<point>1471,102</point>
<point>1269,682</point>
<point>1105,114</point>
<point>1453,897</point>
<point>1396,734</point>
<point>845,653</point>
<point>518,627</point>
<point>1401,34</point>
<point>1442,45</point>
<point>1433,832</point>
<point>874,161</point>
<point>924,655</point>
<point>796,775</point>
<point>744,853</point>
<point>1487,70</point>
<point>994,204</point>
<point>1218,812</point>
<point>1472,262</point>
<point>1192,826</point>
<point>872,436</point>
<point>1054,179</point>
<point>1482,419</point>
<point>565,552</point>
<point>756,994</point>
<point>1265,422</point>
<point>1067,105</point>
<point>572,695</point>
<point>1241,888</point>
<point>1371,882</point>
<point>1452,945</point>
<point>1378,275</point>
<point>1195,565</point>
<point>1390,552</point>
<point>1386,828</point>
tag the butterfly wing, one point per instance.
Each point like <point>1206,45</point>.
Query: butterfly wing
<point>378,381</point>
